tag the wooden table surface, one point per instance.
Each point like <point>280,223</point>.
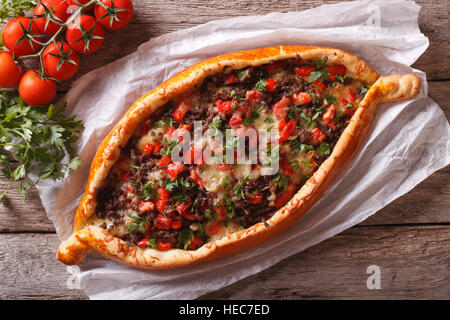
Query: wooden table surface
<point>409,239</point>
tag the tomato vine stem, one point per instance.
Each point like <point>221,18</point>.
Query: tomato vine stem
<point>53,38</point>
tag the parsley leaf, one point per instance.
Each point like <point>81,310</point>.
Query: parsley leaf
<point>184,238</point>
<point>35,137</point>
<point>324,150</point>
<point>261,85</point>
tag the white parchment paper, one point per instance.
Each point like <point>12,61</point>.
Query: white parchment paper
<point>409,140</point>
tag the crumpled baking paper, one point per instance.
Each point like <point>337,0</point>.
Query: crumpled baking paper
<point>408,140</point>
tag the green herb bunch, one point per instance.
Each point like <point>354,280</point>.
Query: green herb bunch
<point>38,138</point>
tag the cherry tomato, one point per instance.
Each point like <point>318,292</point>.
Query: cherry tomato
<point>58,8</point>
<point>117,15</point>
<point>85,35</point>
<point>162,222</point>
<point>36,91</point>
<point>16,40</point>
<point>10,72</point>
<point>60,61</point>
<point>80,3</point>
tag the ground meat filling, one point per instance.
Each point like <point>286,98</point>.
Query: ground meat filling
<point>150,200</point>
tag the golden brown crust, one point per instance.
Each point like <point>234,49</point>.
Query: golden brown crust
<point>91,238</point>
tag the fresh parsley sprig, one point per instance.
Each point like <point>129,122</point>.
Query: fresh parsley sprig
<point>35,137</point>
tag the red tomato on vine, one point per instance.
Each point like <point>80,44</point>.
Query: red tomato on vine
<point>80,2</point>
<point>85,35</point>
<point>35,90</point>
<point>114,14</point>
<point>60,61</point>
<point>18,34</point>
<point>46,9</point>
<point>10,72</point>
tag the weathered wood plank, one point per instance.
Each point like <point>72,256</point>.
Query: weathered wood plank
<point>414,264</point>
<point>413,260</point>
<point>155,18</point>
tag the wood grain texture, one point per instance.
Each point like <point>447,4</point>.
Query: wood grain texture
<point>158,17</point>
<point>408,238</point>
<point>414,265</point>
<point>413,262</point>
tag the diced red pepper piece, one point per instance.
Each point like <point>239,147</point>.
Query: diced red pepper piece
<point>328,116</point>
<point>273,66</point>
<point>169,133</point>
<point>286,166</point>
<point>196,178</point>
<point>318,136</point>
<point>157,147</point>
<point>301,98</point>
<point>164,161</point>
<point>304,71</point>
<point>163,194</point>
<point>225,107</point>
<point>253,95</point>
<point>176,224</point>
<point>162,222</point>
<point>255,199</point>
<point>351,96</point>
<point>143,243</point>
<point>287,130</point>
<point>145,206</point>
<point>270,84</point>
<point>161,205</point>
<point>337,69</point>
<point>231,78</point>
<point>215,228</point>
<point>163,246</point>
<point>181,110</point>
<point>182,208</point>
<point>320,86</point>
<point>285,196</point>
<point>281,108</point>
<point>174,169</point>
<point>148,148</point>
<point>221,212</point>
<point>236,119</point>
<point>193,156</point>
<point>195,242</point>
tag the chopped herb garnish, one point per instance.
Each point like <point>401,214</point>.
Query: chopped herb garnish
<point>324,150</point>
<point>209,214</point>
<point>167,151</point>
<point>297,146</point>
<point>238,188</point>
<point>281,180</point>
<point>139,223</point>
<point>148,192</point>
<point>363,90</point>
<point>152,243</point>
<point>251,118</point>
<point>321,74</point>
<point>261,85</point>
<point>184,238</point>
<point>320,63</point>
